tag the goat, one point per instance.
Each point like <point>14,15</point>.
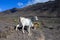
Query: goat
<point>25,22</point>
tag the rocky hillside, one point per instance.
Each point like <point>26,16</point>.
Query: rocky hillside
<point>47,9</point>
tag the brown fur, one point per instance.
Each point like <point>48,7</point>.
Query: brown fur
<point>36,25</point>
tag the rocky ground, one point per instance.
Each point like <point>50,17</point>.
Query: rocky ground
<point>7,32</point>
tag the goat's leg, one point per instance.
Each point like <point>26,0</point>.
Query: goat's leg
<point>17,27</point>
<point>23,29</point>
<point>29,32</point>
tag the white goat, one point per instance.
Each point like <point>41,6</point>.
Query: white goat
<point>25,22</point>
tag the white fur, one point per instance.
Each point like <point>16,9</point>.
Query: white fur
<point>25,22</point>
<point>17,26</point>
<point>36,17</point>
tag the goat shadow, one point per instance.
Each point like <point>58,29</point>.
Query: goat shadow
<point>20,28</point>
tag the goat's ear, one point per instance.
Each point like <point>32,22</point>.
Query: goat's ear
<point>36,17</point>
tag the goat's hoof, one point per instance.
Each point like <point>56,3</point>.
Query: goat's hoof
<point>29,34</point>
<point>16,29</point>
<point>23,32</point>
